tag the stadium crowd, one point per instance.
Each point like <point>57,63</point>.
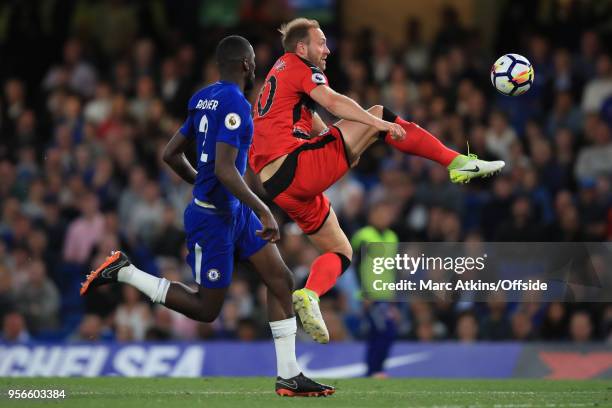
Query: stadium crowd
<point>83,126</point>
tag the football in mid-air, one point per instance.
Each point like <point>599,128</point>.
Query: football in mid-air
<point>512,74</point>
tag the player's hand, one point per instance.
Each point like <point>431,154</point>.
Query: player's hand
<point>270,231</point>
<point>396,131</point>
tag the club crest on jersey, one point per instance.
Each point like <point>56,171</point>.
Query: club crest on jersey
<point>213,275</point>
<point>318,78</point>
<point>232,121</point>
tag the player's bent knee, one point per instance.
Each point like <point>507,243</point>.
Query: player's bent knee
<point>206,316</point>
<point>206,313</point>
<point>345,261</point>
<point>345,250</point>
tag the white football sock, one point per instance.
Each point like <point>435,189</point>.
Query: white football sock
<point>154,287</point>
<point>283,332</point>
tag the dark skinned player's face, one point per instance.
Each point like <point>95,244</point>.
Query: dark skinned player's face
<point>250,71</point>
<point>316,49</point>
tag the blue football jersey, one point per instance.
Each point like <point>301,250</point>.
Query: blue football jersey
<point>218,113</point>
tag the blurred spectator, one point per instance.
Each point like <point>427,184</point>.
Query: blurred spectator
<point>90,329</point>
<point>451,30</point>
<point>563,78</point>
<point>568,227</point>
<point>495,325</point>
<point>169,239</point>
<point>14,328</point>
<point>382,61</point>
<point>399,92</point>
<point>74,73</point>
<point>522,327</point>
<point>593,204</point>
<point>598,88</point>
<point>98,109</point>
<point>424,331</point>
<point>33,206</point>
<point>15,101</point>
<point>521,225</point>
<point>549,172</point>
<point>564,115</point>
<point>247,330</point>
<point>132,194</point>
<point>133,316</point>
<point>173,325</point>
<point>467,328</point>
<point>586,59</point>
<point>228,321</point>
<point>565,154</point>
<point>554,326</point>
<point>498,207</point>
<point>162,327</point>
<point>594,160</point>
<point>39,299</point>
<point>143,58</point>
<point>84,232</point>
<point>147,215</point>
<point>581,327</point>
<point>141,103</point>
<point>239,292</point>
<point>500,136</point>
<point>425,326</point>
<point>416,54</point>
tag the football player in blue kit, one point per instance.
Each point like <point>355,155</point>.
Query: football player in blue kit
<point>225,218</point>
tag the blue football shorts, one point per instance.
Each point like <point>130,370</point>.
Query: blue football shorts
<point>214,237</point>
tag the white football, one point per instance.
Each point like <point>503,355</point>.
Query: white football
<point>512,74</point>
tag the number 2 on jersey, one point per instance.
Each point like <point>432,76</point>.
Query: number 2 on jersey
<point>203,128</point>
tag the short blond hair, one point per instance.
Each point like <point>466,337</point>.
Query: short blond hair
<point>295,31</point>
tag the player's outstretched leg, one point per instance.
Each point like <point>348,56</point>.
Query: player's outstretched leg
<point>419,142</point>
<point>202,305</point>
<point>118,268</point>
<point>462,168</point>
<point>290,381</point>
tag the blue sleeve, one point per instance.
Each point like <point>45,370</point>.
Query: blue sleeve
<point>233,123</point>
<point>187,129</point>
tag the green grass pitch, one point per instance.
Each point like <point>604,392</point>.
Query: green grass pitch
<point>353,393</point>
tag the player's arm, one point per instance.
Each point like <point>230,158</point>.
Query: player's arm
<point>345,108</point>
<point>174,156</point>
<point>227,173</point>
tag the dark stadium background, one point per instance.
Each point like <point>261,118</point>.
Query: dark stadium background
<point>92,91</point>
